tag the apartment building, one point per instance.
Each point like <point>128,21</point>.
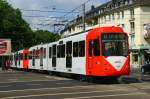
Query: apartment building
<point>132,15</point>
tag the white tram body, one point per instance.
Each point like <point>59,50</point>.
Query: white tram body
<point>77,54</point>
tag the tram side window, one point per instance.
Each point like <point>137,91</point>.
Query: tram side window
<point>34,54</point>
<point>69,48</point>
<point>26,56</point>
<point>58,51</point>
<point>75,49</point>
<point>37,54</point>
<point>21,56</point>
<point>81,48</point>
<point>90,48</point>
<point>62,51</point>
<point>17,57</point>
<point>96,47</point>
<point>44,52</point>
<point>50,54</point>
<point>30,56</point>
<point>54,50</point>
<point>41,52</point>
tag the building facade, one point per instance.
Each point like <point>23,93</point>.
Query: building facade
<point>132,15</point>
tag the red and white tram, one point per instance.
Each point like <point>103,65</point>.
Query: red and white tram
<point>101,52</point>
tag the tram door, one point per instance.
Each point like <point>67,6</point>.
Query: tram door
<point>93,55</point>
<point>69,54</point>
<point>54,56</point>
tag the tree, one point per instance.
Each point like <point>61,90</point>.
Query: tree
<point>42,36</point>
<point>14,27</point>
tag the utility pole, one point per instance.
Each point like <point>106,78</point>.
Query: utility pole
<point>83,16</point>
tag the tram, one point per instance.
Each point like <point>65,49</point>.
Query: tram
<point>100,52</point>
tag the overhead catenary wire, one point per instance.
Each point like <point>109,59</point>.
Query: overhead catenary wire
<point>56,11</point>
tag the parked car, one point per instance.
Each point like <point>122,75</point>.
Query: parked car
<point>145,69</point>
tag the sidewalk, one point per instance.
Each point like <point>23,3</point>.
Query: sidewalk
<point>136,76</point>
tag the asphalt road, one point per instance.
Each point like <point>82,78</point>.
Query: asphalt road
<point>27,85</point>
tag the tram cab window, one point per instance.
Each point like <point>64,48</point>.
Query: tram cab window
<point>96,46</point>
<point>115,44</point>
<point>81,49</point>
<point>75,49</point>
<point>50,54</point>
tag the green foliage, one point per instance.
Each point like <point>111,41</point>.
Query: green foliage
<point>42,36</point>
<point>13,26</point>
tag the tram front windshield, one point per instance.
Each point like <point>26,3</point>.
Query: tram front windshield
<point>115,44</point>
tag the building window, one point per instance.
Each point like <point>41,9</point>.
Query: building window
<point>132,13</point>
<point>109,17</point>
<point>122,14</point>
<point>132,40</point>
<point>126,2</point>
<point>118,14</point>
<point>135,58</point>
<point>113,16</point>
<point>104,19</point>
<point>123,26</point>
<point>132,26</point>
<point>81,49</point>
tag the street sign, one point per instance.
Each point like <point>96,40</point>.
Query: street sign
<point>5,47</point>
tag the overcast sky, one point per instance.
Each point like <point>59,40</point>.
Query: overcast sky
<point>44,20</point>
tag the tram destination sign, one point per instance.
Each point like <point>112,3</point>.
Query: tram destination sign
<point>5,47</point>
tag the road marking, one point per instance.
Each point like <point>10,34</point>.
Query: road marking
<point>104,96</point>
<point>63,83</point>
<point>25,81</point>
<point>13,79</point>
<point>57,78</point>
<point>89,86</point>
<point>40,95</point>
<point>34,84</point>
<point>5,86</point>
